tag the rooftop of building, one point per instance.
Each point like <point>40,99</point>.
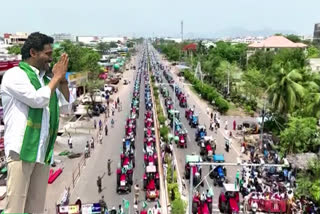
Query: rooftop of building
<point>276,42</point>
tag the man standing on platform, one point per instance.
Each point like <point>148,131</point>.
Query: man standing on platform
<point>31,94</point>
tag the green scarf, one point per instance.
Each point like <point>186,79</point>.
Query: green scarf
<point>31,137</point>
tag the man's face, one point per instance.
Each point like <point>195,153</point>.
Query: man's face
<point>44,58</point>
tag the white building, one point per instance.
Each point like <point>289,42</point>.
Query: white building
<point>15,39</point>
<point>314,64</point>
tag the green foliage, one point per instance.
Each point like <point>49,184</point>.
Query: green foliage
<point>308,182</point>
<point>313,51</point>
<point>113,45</point>
<point>294,58</point>
<point>15,49</point>
<point>207,92</point>
<point>285,92</point>
<point>261,60</point>
<point>171,50</point>
<point>254,82</point>
<point>103,47</point>
<point>164,131</point>
<point>300,135</point>
<point>80,58</point>
<point>178,206</point>
<point>293,38</point>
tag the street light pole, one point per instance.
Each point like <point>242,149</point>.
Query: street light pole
<point>228,92</point>
<point>262,125</point>
<point>190,190</point>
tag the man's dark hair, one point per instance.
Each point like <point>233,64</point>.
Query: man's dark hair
<point>37,41</point>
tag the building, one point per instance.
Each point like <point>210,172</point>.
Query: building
<point>314,64</point>
<point>59,37</point>
<point>316,33</point>
<point>15,39</point>
<point>273,43</point>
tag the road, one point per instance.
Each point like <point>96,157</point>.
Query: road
<point>86,187</point>
<point>204,119</point>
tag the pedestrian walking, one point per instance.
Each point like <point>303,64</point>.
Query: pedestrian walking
<point>100,137</point>
<point>226,125</point>
<point>115,105</point>
<point>106,130</point>
<point>94,123</point>
<point>103,204</point>
<point>108,103</point>
<point>112,123</point>
<point>112,111</point>
<point>99,183</point>
<point>70,141</point>
<point>100,125</point>
<point>109,166</point>
<point>234,125</point>
<point>118,100</point>
<point>136,193</point>
<point>211,115</point>
<point>92,142</point>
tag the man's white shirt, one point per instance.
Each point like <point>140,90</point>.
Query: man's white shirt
<point>18,94</point>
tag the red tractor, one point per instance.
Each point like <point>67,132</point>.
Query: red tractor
<point>149,114</point>
<point>149,132</point>
<point>124,181</point>
<point>182,139</point>
<point>183,101</point>
<point>130,131</point>
<point>203,206</point>
<point>229,199</point>
<point>150,159</point>
<point>148,123</point>
<point>188,113</point>
<point>151,183</point>
<point>127,161</point>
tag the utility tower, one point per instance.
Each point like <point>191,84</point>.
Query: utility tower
<point>182,31</point>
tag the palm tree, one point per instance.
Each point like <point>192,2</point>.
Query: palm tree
<point>285,92</point>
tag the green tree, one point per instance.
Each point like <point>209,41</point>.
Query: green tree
<point>261,60</point>
<point>178,206</point>
<point>313,52</point>
<point>300,135</point>
<point>254,83</point>
<point>295,58</point>
<point>103,47</point>
<point>15,49</point>
<point>308,182</point>
<point>113,45</point>
<point>285,93</point>
<point>293,38</point>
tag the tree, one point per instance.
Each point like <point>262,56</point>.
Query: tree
<point>295,58</point>
<point>103,47</point>
<point>178,206</point>
<point>113,45</point>
<point>261,60</point>
<point>300,135</point>
<point>15,49</point>
<point>254,82</point>
<point>308,182</point>
<point>313,52</point>
<point>293,38</point>
<point>285,93</point>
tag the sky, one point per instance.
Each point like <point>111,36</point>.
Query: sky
<point>159,18</point>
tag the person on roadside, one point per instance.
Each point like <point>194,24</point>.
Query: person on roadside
<point>103,204</point>
<point>112,123</point>
<point>100,125</point>
<point>136,193</point>
<point>92,143</point>
<point>31,93</point>
<point>211,115</point>
<point>70,141</point>
<point>118,100</point>
<point>226,125</point>
<point>109,166</point>
<point>99,183</point>
<point>94,123</point>
<point>100,137</point>
<point>234,125</point>
<point>106,129</point>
